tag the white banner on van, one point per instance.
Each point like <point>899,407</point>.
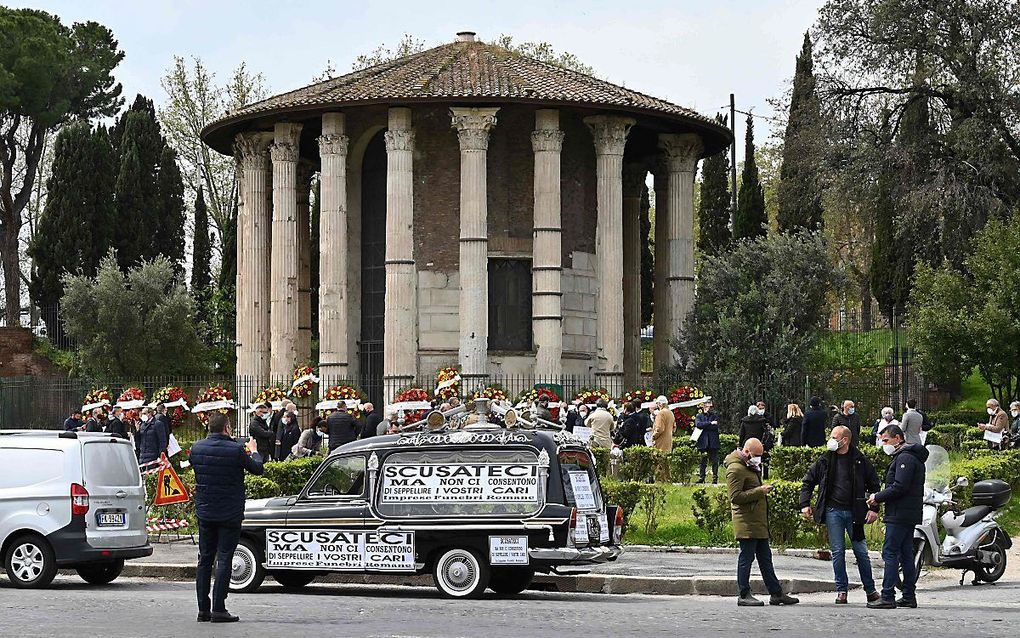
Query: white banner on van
<point>340,550</point>
<point>460,483</point>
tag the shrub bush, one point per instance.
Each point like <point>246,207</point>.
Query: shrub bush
<point>259,487</point>
<point>602,462</point>
<point>879,459</point>
<point>996,465</point>
<point>957,416</point>
<point>792,463</point>
<point>683,460</point>
<point>651,505</point>
<point>291,476</point>
<point>950,435</point>
<point>626,494</point>
<point>727,443</point>
<point>712,513</point>
<point>974,448</point>
<point>644,464</point>
<point>785,521</point>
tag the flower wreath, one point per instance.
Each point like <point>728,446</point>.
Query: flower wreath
<point>131,394</point>
<point>213,393</point>
<point>169,394</point>
<point>450,373</point>
<point>641,395</point>
<point>684,421</point>
<point>340,393</point>
<point>304,382</point>
<point>413,394</point>
<point>529,397</point>
<point>97,395</point>
<point>494,392</point>
<point>591,396</point>
<point>269,394</point>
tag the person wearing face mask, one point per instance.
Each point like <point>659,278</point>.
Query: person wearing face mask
<point>149,442</point>
<point>1014,430</point>
<point>750,513</point>
<point>707,420</point>
<point>889,418</point>
<point>844,477</point>
<point>903,497</point>
<point>260,430</point>
<point>288,435</point>
<point>997,424</point>
<point>754,426</point>
<point>849,418</point>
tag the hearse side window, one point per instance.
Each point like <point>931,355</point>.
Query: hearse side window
<point>463,482</point>
<point>343,476</point>
<point>578,462</point>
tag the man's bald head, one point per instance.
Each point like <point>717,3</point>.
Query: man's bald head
<point>753,447</point>
<point>841,432</point>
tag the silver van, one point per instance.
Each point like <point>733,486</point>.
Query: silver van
<point>69,500</point>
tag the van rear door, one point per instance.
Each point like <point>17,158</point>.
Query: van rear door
<point>116,516</point>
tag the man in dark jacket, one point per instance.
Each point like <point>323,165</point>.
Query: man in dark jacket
<point>754,426</point>
<point>115,424</point>
<point>73,422</point>
<point>904,506</point>
<point>708,443</point>
<point>162,419</point>
<point>94,423</point>
<point>342,428</point>
<point>812,433</point>
<point>848,417</point>
<point>372,421</point>
<point>260,431</point>
<point>632,432</point>
<point>150,441</point>
<point>844,478</point>
<point>288,435</point>
<point>220,464</point>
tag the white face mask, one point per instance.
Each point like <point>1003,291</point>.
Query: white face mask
<point>833,445</point>
<point>888,417</point>
<point>851,410</point>
<point>1015,413</point>
<point>754,461</point>
<point>991,411</point>
<point>889,449</point>
<point>286,421</point>
<point>761,411</point>
<point>145,418</point>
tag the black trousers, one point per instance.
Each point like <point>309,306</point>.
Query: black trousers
<point>216,544</point>
<point>712,455</point>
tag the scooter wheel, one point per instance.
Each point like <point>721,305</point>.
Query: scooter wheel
<point>993,572</point>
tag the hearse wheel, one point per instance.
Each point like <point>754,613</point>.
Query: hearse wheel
<point>293,579</point>
<point>510,580</point>
<point>246,570</point>
<point>461,573</point>
<point>101,573</point>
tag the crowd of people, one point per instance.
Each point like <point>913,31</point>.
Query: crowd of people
<point>149,427</point>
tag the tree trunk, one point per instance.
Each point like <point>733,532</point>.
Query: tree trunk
<point>12,274</point>
<point>865,306</point>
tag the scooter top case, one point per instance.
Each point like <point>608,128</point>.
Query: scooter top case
<point>991,493</point>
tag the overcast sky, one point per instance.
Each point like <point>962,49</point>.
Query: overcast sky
<point>691,52</point>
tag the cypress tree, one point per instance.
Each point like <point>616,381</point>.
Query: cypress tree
<point>799,193</point>
<point>75,230</point>
<point>201,252</point>
<point>885,253</point>
<point>750,219</point>
<point>137,192</point>
<point>714,207</point>
<point>168,224</point>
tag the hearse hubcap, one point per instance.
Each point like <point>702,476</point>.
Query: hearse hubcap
<point>460,572</point>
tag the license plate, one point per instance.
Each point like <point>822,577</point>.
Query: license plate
<point>111,519</point>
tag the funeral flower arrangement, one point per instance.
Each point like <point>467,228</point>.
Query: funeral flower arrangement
<point>304,382</point>
<point>590,396</point>
<point>131,394</point>
<point>97,395</point>
<point>529,397</point>
<point>213,393</point>
<point>494,392</point>
<point>342,393</point>
<point>270,394</point>
<point>684,418</point>
<point>447,382</point>
<point>169,394</point>
<point>641,395</point>
<point>413,394</point>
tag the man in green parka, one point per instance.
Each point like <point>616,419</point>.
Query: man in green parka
<point>750,511</point>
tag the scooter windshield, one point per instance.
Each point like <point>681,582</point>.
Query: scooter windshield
<point>936,468</point>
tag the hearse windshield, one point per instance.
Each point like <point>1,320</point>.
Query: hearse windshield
<point>580,484</point>
<point>460,483</point>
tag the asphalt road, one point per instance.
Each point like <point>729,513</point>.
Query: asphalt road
<point>150,608</point>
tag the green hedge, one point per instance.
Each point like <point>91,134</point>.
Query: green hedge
<point>683,461</point>
<point>728,443</point>
<point>291,476</point>
<point>260,487</point>
<point>634,496</point>
<point>785,521</point>
<point>792,463</point>
<point>987,465</point>
<point>649,465</point>
<point>941,417</point>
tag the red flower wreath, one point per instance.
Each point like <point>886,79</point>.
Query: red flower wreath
<point>131,394</point>
<point>340,393</point>
<point>303,389</point>
<point>447,374</point>
<point>684,420</point>
<point>169,394</point>
<point>413,394</point>
<point>213,393</point>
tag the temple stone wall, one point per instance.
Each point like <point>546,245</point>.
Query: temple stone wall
<point>580,286</point>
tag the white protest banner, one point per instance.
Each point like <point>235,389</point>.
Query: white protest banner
<point>335,549</point>
<point>460,483</point>
<point>994,438</point>
<point>696,434</point>
<point>583,432</point>
<point>508,550</point>
<point>584,497</point>
<point>173,447</point>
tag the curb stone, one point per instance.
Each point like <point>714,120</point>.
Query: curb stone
<point>687,549</point>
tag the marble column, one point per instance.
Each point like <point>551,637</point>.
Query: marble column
<point>333,250</point>
<point>285,270</point>
<point>682,152</point>
<point>400,343</point>
<point>661,349</point>
<point>473,126</point>
<point>304,249</point>
<point>610,134</point>
<point>253,256</point>
<point>546,265</point>
<point>633,185</point>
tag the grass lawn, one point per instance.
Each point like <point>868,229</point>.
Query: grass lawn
<point>876,342</point>
<point>974,393</point>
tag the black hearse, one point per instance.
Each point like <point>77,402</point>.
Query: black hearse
<point>486,506</point>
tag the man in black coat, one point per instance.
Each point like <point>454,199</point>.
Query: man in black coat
<point>904,508</point>
<point>287,437</point>
<point>844,478</point>
<point>341,427</point>
<point>94,424</point>
<point>73,422</point>
<point>115,425</point>
<point>849,418</point>
<point>220,464</point>
<point>812,432</point>
<point>162,419</point>
<point>632,432</point>
<point>372,421</point>
<point>149,441</point>
<point>260,431</point>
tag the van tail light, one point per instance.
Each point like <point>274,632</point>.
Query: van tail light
<point>79,500</point>
<point>618,526</point>
<point>572,533</point>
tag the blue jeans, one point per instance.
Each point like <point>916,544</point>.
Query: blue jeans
<point>751,548</point>
<point>898,551</point>
<point>841,524</point>
<point>216,543</point>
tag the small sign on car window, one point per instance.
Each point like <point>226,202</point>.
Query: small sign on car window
<point>583,495</point>
<point>508,550</point>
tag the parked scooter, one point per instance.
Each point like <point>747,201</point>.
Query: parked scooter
<point>973,541</point>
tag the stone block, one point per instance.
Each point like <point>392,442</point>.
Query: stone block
<point>445,297</point>
<point>445,322</point>
<point>573,326</point>
<point>587,303</point>
<point>590,328</point>
<point>571,301</point>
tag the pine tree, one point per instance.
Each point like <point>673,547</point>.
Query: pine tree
<point>75,230</point>
<point>714,207</point>
<point>750,219</point>
<point>201,253</point>
<point>799,192</point>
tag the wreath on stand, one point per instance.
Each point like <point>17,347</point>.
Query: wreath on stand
<point>529,397</point>
<point>591,396</point>
<point>451,377</point>
<point>131,394</point>
<point>684,421</point>
<point>641,395</point>
<point>269,394</point>
<point>97,395</point>
<point>213,393</point>
<point>304,381</point>
<point>494,392</point>
<point>169,394</point>
<point>413,394</point>
<point>342,393</point>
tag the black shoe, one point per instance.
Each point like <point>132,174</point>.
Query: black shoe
<point>841,598</point>
<point>783,599</point>
<point>203,616</point>
<point>701,480</point>
<point>223,616</point>
<point>907,602</point>
<point>749,601</point>
<point>882,604</point>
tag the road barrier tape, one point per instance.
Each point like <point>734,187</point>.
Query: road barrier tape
<point>152,466</point>
<point>164,524</point>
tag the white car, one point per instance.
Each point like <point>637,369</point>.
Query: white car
<point>69,500</point>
